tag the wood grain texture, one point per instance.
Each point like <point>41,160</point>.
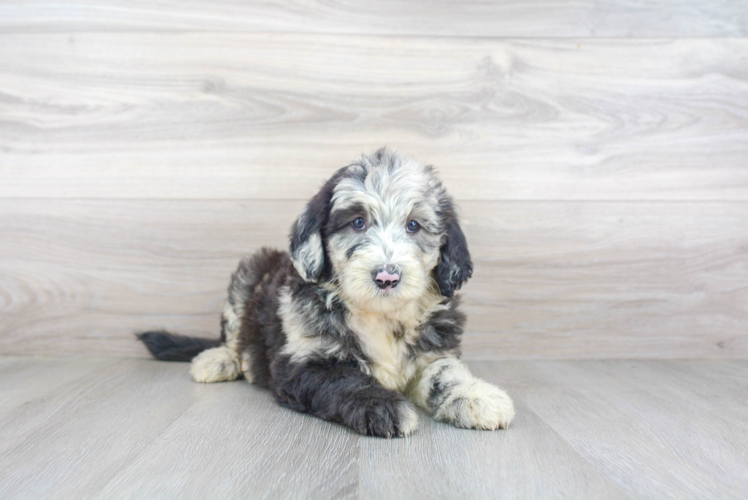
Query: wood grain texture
<point>651,420</point>
<point>552,279</point>
<point>105,436</point>
<point>23,381</point>
<point>584,429</point>
<point>71,443</point>
<point>517,18</point>
<point>269,116</point>
<point>531,460</point>
<point>236,442</point>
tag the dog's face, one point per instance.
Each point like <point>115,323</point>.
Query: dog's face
<point>381,231</point>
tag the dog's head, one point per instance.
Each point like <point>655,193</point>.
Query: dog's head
<point>381,230</point>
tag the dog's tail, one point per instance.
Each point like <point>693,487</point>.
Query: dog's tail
<point>171,347</point>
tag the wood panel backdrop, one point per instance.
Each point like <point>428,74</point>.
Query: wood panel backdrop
<point>598,151</point>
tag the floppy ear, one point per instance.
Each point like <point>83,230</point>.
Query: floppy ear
<point>307,251</point>
<point>307,241</point>
<point>455,266</point>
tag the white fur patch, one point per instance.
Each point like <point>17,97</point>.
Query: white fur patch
<point>220,364</point>
<point>299,343</point>
<point>308,258</point>
<point>477,405</point>
<point>466,401</point>
<point>233,325</point>
<point>247,367</point>
<point>407,418</point>
<point>387,352</point>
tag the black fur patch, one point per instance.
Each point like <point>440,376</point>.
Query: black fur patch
<point>439,389</point>
<point>329,322</point>
<point>339,392</point>
<point>442,332</point>
<point>349,252</point>
<point>455,265</point>
<point>170,347</point>
<point>341,219</point>
<point>261,333</point>
<point>311,222</point>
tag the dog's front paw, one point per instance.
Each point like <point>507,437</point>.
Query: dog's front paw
<point>477,405</point>
<point>383,417</point>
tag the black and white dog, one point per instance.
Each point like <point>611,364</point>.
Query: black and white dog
<point>360,321</point>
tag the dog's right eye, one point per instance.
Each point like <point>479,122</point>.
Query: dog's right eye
<point>359,224</point>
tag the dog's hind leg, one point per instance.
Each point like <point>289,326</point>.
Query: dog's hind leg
<point>230,361</point>
<point>226,363</point>
<point>220,364</point>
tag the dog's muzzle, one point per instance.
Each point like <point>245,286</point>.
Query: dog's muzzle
<point>387,276</point>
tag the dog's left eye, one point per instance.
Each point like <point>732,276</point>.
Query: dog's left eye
<point>358,224</point>
<point>412,226</point>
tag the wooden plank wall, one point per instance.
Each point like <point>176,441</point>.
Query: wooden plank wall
<point>598,151</point>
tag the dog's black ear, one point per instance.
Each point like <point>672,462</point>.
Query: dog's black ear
<point>455,266</point>
<point>307,239</point>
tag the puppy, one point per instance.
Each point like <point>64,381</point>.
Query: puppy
<point>360,321</point>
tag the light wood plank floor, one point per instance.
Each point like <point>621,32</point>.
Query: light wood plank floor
<point>136,428</point>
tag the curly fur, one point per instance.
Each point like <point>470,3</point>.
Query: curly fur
<point>314,327</point>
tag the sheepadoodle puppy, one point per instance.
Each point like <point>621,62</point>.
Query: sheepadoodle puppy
<point>359,323</point>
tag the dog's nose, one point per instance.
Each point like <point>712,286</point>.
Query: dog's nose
<point>387,276</point>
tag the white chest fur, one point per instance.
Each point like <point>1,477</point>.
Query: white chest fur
<point>386,340</point>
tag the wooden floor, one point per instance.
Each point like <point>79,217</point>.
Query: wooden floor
<point>134,428</point>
